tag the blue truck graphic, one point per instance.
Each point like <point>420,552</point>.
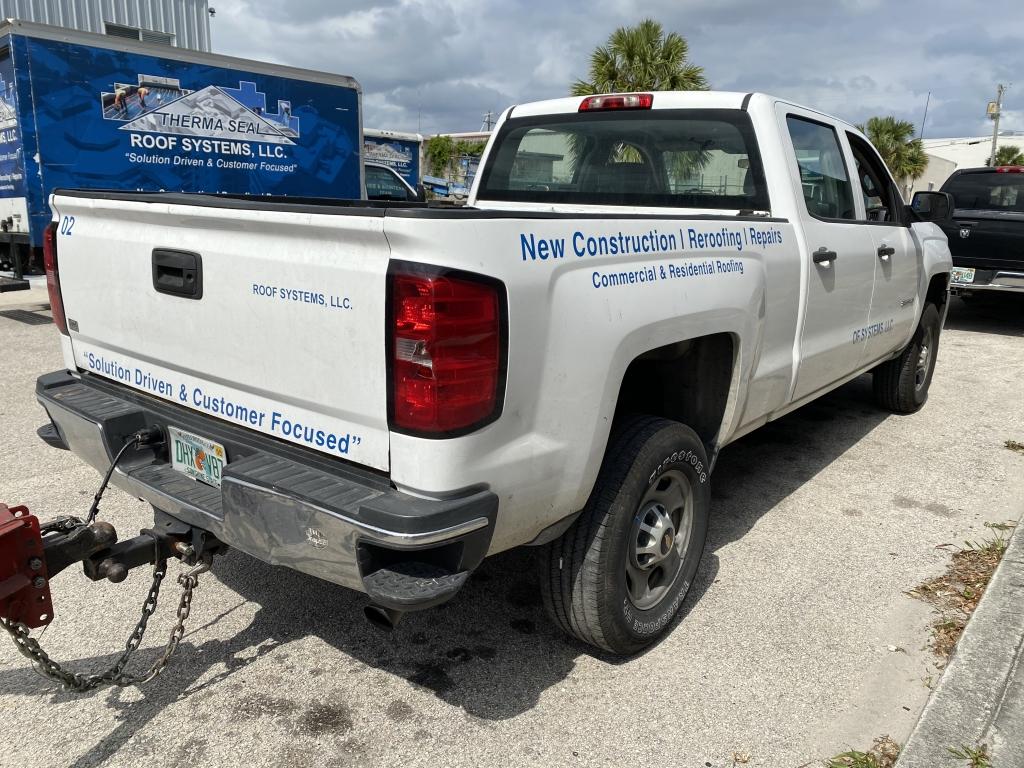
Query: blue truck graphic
<point>80,110</point>
<point>398,151</point>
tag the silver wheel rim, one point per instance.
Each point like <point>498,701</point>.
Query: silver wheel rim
<point>658,539</point>
<point>924,355</point>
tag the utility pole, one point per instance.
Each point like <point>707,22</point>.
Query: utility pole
<point>488,122</point>
<point>993,113</point>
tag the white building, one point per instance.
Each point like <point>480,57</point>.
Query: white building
<point>182,23</point>
<point>948,155</point>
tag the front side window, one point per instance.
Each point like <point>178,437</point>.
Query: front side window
<point>670,158</point>
<point>881,200</point>
<point>826,186</point>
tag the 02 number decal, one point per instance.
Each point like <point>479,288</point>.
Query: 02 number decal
<point>66,225</point>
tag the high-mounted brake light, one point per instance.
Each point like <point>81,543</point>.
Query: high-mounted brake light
<point>447,351</point>
<point>1010,169</point>
<point>53,277</point>
<point>617,101</point>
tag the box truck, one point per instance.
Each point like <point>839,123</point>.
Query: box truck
<point>398,151</point>
<point>83,110</point>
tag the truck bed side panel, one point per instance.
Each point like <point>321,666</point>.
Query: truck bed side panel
<point>579,314</point>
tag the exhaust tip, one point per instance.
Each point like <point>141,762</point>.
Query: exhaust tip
<point>385,619</point>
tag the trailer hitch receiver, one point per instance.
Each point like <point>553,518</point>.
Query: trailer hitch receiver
<point>32,553</point>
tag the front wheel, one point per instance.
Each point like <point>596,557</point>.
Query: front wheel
<point>901,385</point>
<point>617,577</point>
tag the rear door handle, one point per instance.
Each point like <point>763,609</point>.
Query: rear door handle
<point>178,273</point>
<point>885,251</point>
<point>823,255</point>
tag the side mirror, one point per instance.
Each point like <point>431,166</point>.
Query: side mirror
<point>421,193</point>
<point>932,206</point>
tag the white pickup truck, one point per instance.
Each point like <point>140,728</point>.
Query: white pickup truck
<point>381,395</point>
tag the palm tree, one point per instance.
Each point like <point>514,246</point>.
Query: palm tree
<point>641,58</point>
<point>1008,154</point>
<point>895,142</point>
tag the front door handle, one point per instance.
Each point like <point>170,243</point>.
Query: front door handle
<point>885,251</point>
<point>824,255</point>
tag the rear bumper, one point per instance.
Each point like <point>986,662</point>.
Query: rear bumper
<point>991,280</point>
<point>282,504</point>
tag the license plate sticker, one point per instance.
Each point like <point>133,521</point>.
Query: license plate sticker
<point>198,457</point>
<point>962,274</point>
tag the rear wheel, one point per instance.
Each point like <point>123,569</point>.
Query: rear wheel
<point>616,579</point>
<point>901,385</point>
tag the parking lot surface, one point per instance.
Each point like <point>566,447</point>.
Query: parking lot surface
<point>797,641</point>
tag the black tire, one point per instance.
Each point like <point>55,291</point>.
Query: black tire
<point>588,587</point>
<point>901,384</point>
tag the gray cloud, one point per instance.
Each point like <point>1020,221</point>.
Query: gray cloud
<point>440,64</point>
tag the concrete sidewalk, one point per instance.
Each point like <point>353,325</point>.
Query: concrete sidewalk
<point>980,698</point>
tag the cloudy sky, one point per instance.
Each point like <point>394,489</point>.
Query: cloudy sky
<point>439,65</point>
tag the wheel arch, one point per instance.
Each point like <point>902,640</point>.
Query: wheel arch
<point>695,382</point>
<point>690,381</point>
<point>938,293</point>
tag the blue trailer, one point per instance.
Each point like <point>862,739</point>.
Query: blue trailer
<point>398,151</point>
<point>79,109</point>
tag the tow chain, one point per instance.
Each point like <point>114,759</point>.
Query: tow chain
<point>116,675</point>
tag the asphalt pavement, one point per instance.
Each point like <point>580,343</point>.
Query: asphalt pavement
<point>798,640</point>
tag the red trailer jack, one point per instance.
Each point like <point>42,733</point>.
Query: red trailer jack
<point>24,580</point>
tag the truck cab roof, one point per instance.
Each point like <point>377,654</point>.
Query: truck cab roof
<point>661,100</point>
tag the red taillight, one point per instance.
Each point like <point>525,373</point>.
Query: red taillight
<point>1010,169</point>
<point>446,350</point>
<point>53,277</point>
<point>617,101</point>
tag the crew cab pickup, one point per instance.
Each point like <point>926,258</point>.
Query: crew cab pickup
<point>382,394</point>
<point>985,228</point>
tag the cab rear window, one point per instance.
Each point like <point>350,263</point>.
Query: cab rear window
<point>663,158</point>
<point>988,191</point>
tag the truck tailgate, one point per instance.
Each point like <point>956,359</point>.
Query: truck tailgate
<point>286,336</point>
<point>987,239</point>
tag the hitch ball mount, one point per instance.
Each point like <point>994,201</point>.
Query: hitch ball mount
<point>32,553</point>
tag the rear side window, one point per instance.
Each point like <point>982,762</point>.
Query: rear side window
<point>671,158</point>
<point>826,185</point>
<point>990,191</point>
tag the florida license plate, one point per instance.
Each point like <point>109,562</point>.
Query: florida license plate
<point>962,274</point>
<point>198,457</point>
